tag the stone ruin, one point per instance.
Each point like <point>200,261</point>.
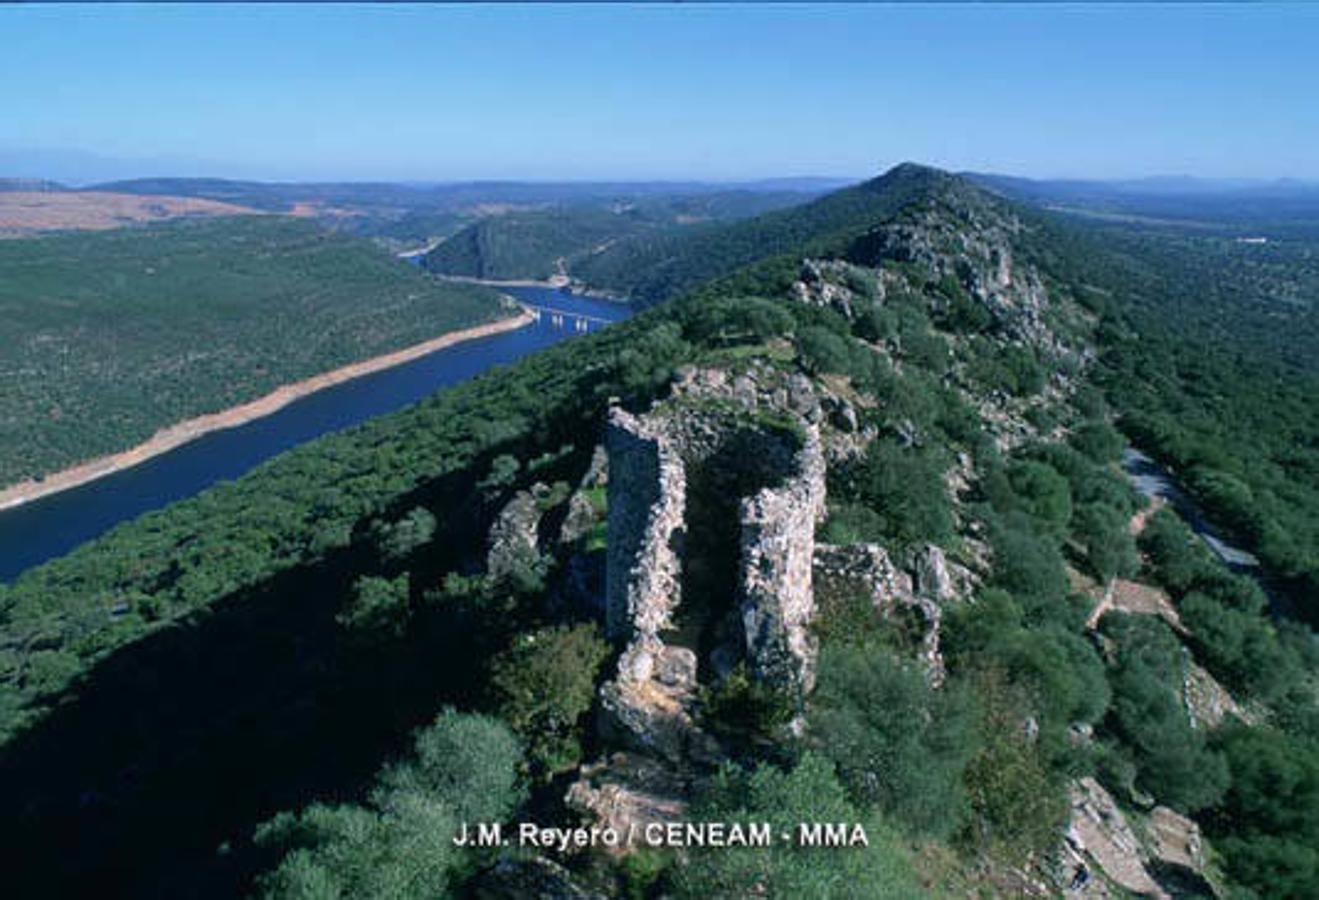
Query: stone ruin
<point>714,496</point>
<point>712,514</point>
<point>706,504</point>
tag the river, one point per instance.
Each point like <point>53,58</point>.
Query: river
<point>51,526</point>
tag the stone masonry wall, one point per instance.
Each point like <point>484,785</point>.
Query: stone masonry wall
<point>647,499</point>
<point>777,553</point>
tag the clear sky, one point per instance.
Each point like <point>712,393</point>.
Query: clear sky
<point>671,91</point>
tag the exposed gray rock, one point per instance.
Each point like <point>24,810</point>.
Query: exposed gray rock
<point>513,537</point>
<point>861,569</point>
<point>597,472</point>
<point>940,580</point>
<point>520,878</point>
<point>649,706</point>
<point>932,577</point>
<point>581,518</point>
<point>629,790</point>
<point>1099,831</point>
<point>841,414</point>
<point>866,570</point>
<point>1175,839</point>
<point>824,283</point>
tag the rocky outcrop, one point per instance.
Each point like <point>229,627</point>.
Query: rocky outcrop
<point>866,570</point>
<point>1098,835</point>
<point>579,520</point>
<point>628,791</point>
<point>933,578</point>
<point>940,579</point>
<point>582,515</point>
<point>513,537</point>
<point>971,245</point>
<point>1163,857</point>
<point>516,878</point>
<point>861,569</point>
<point>650,705</point>
<point>1175,840</point>
<point>1208,703</point>
<point>837,285</point>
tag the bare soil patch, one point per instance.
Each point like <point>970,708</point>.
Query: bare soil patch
<point>27,212</point>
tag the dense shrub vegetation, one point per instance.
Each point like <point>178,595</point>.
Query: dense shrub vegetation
<point>1209,358</point>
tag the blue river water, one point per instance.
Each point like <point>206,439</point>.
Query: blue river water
<point>52,526</point>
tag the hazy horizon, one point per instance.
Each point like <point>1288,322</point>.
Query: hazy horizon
<point>712,93</point>
<point>81,169</point>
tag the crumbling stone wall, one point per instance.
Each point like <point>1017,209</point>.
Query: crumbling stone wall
<point>777,555</point>
<point>647,501</point>
<point>698,452</point>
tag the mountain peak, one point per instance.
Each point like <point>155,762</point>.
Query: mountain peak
<point>913,182</point>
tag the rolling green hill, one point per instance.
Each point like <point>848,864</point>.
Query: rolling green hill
<point>537,244</point>
<point>530,245</point>
<point>114,335</point>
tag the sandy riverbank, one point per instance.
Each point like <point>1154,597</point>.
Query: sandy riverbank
<point>181,433</point>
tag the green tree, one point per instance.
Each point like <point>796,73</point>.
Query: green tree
<point>469,761</point>
<point>400,846</point>
<point>1017,803</point>
<point>739,320</point>
<point>1172,759</point>
<point>1110,550</point>
<point>378,608</point>
<point>1098,440</point>
<point>397,540</point>
<point>904,487</point>
<point>1042,493</point>
<point>898,744</point>
<point>808,793</point>
<point>543,685</point>
<point>824,351</point>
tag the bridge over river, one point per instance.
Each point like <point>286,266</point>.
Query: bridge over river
<point>561,318</point>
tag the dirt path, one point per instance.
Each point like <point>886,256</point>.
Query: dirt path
<point>181,433</point>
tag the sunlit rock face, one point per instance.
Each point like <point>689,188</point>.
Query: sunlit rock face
<point>777,554</point>
<point>707,480</point>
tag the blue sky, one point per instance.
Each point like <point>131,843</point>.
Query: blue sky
<point>689,91</point>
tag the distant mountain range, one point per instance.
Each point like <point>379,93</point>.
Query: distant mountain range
<point>1278,205</point>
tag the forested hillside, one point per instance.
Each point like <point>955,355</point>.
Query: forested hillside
<point>297,684</point>
<point>1211,360</point>
<point>653,267</point>
<point>114,335</point>
<point>538,244</point>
